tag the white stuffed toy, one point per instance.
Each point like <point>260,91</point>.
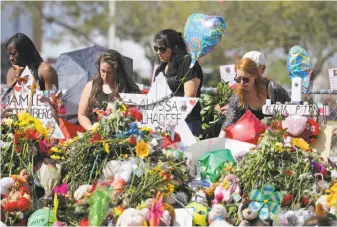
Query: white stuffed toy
<point>295,124</point>
<point>6,184</point>
<point>131,217</point>
<point>82,191</point>
<point>118,169</point>
<point>293,218</point>
<point>218,212</point>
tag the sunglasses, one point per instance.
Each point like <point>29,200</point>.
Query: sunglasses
<point>239,79</point>
<point>161,49</point>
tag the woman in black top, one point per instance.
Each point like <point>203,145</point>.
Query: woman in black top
<point>175,62</point>
<point>251,93</point>
<point>111,80</point>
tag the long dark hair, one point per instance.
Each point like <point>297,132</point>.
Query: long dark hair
<point>122,81</point>
<point>174,40</point>
<point>28,54</point>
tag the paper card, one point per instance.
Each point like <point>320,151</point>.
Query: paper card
<point>323,143</point>
<point>227,73</point>
<point>183,217</point>
<point>333,78</point>
<point>37,107</point>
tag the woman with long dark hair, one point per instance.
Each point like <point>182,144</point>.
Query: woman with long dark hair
<point>112,79</point>
<point>175,62</point>
<point>22,52</point>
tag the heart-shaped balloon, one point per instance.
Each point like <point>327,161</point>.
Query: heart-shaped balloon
<point>202,33</point>
<point>299,65</point>
<point>247,129</point>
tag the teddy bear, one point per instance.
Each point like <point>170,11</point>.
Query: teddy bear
<point>218,215</point>
<point>15,190</point>
<point>248,217</point>
<point>294,218</point>
<point>131,217</point>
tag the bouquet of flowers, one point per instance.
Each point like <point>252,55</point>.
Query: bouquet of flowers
<point>211,118</point>
<point>26,138</point>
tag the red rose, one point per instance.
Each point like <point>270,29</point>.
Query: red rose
<point>305,200</point>
<point>84,222</point>
<point>23,204</point>
<point>287,200</point>
<point>9,207</point>
<point>132,140</point>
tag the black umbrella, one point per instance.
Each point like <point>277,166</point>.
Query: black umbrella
<point>74,70</point>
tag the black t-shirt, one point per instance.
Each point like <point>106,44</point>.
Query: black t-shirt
<point>175,80</point>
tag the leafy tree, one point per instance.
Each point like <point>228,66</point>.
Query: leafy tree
<point>271,27</point>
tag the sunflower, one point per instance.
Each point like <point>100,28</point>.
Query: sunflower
<point>142,149</point>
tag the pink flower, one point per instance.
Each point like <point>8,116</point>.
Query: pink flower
<point>62,189</point>
<point>156,211</point>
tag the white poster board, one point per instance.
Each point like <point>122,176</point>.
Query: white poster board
<point>183,217</point>
<point>333,78</point>
<point>23,100</point>
<point>227,73</point>
<point>158,107</point>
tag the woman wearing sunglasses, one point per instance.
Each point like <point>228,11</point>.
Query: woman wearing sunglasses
<point>111,80</point>
<point>251,93</point>
<point>175,61</point>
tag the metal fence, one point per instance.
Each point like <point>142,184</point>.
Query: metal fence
<point>327,98</point>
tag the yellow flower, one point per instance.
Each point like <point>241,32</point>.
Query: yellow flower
<point>171,187</point>
<point>68,142</point>
<point>225,184</point>
<point>278,147</point>
<point>123,108</point>
<point>332,199</point>
<point>118,210</point>
<point>265,201</point>
<point>300,143</point>
<point>95,127</point>
<point>55,149</point>
<point>106,147</point>
<point>126,156</point>
<point>55,157</point>
<point>24,116</point>
<point>146,129</point>
<point>8,121</point>
<point>142,149</point>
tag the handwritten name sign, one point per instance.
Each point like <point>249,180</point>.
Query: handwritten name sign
<point>33,103</point>
<point>160,114</point>
<point>290,109</point>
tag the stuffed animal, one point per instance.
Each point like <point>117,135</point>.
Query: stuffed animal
<point>199,197</point>
<point>247,217</point>
<point>131,217</point>
<point>293,218</point>
<point>295,124</point>
<point>82,191</point>
<point>218,212</point>
<point>226,190</point>
<point>18,197</point>
<point>118,169</point>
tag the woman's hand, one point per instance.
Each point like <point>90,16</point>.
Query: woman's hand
<point>18,70</point>
<point>223,110</point>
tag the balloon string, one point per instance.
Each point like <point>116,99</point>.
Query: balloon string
<point>182,80</point>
